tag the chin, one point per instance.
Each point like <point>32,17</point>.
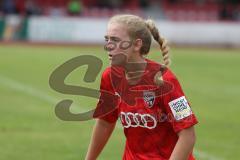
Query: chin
<point>117,63</point>
<point>119,60</point>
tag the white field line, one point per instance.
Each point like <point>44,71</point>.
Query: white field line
<point>43,96</point>
<point>206,156</point>
<point>29,90</point>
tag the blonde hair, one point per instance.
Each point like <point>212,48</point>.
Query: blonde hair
<point>144,30</point>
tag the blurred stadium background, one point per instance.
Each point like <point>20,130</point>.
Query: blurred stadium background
<point>39,35</point>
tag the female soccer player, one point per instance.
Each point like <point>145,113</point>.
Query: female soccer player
<point>157,119</point>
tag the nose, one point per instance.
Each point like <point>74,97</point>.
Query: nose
<point>110,46</point>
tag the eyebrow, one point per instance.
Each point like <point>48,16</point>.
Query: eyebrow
<point>112,37</point>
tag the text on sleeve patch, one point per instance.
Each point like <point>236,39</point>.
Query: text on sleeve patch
<point>180,108</point>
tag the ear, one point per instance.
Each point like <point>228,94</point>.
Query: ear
<point>138,45</point>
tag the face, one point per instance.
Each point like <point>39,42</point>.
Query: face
<point>118,44</point>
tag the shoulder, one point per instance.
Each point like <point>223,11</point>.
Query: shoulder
<point>106,80</point>
<point>106,73</point>
<point>168,74</point>
<point>153,64</point>
<point>112,71</point>
<point>170,78</point>
<point>165,71</point>
<point>110,78</point>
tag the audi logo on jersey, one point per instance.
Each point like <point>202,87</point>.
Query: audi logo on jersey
<point>130,119</point>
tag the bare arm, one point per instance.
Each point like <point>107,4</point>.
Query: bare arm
<point>101,133</point>
<point>184,144</point>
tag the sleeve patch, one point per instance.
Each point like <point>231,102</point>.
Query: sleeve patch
<point>180,108</point>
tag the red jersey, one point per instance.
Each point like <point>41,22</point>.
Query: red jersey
<point>151,115</point>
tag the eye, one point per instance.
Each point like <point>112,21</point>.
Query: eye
<point>116,39</point>
<point>125,45</point>
<point>110,46</point>
<point>106,39</point>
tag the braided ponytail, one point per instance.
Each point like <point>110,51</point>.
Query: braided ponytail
<point>160,40</point>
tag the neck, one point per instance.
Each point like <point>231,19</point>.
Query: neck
<point>136,64</point>
<point>135,68</point>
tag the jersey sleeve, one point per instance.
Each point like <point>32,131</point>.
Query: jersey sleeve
<point>177,106</point>
<point>107,106</point>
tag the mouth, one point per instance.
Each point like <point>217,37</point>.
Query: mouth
<point>110,57</point>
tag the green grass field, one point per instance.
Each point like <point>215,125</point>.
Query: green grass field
<point>30,130</point>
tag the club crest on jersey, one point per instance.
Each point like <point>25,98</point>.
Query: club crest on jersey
<point>149,98</point>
